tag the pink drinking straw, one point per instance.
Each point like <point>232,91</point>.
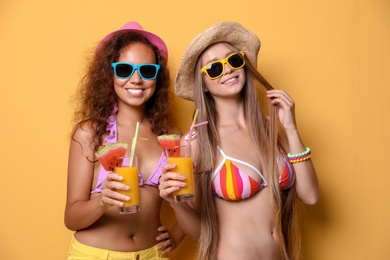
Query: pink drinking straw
<point>191,129</point>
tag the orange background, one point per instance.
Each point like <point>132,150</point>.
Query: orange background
<point>333,58</point>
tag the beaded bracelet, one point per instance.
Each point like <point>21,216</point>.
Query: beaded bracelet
<point>299,157</point>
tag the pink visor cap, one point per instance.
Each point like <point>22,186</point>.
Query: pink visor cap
<point>136,27</point>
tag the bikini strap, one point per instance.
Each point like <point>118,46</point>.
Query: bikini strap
<point>226,157</point>
<point>111,127</point>
<point>222,152</point>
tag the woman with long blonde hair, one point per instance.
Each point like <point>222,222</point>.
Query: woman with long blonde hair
<point>249,160</point>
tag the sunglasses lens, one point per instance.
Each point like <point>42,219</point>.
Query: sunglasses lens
<point>236,61</point>
<point>148,71</point>
<point>215,69</point>
<point>123,70</point>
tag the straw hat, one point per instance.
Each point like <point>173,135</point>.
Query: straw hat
<point>230,32</point>
<point>136,27</point>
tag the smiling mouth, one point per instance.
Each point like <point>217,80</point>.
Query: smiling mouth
<point>135,91</point>
<point>230,80</point>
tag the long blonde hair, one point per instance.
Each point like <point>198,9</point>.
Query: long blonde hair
<point>267,135</point>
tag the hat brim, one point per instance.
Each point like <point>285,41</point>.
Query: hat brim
<point>230,32</point>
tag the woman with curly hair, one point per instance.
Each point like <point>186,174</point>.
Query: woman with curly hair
<point>250,162</point>
<point>126,82</point>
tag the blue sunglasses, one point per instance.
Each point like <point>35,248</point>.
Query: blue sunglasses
<point>124,70</point>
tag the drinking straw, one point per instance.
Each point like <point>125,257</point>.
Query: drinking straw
<point>193,125</point>
<point>195,116</point>
<point>134,143</point>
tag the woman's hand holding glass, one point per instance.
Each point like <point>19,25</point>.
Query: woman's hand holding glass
<point>109,197</point>
<point>170,182</point>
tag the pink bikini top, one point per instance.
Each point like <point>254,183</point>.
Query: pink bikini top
<point>231,183</point>
<point>154,178</point>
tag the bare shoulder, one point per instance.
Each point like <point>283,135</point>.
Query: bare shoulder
<point>83,139</point>
<point>84,133</point>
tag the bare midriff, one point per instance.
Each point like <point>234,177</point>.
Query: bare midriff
<point>127,232</point>
<point>247,229</point>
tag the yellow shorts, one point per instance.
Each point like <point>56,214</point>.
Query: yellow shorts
<point>79,251</point>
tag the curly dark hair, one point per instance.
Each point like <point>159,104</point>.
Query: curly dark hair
<point>96,96</point>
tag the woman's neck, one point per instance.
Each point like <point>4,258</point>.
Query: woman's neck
<point>230,112</point>
<point>128,115</point>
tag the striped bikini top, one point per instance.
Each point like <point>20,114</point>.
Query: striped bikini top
<point>231,183</point>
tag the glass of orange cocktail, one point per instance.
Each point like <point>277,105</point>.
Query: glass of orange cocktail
<point>181,157</point>
<point>130,178</point>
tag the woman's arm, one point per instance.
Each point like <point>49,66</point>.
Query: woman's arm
<point>186,216</point>
<point>81,209</point>
<point>306,178</point>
